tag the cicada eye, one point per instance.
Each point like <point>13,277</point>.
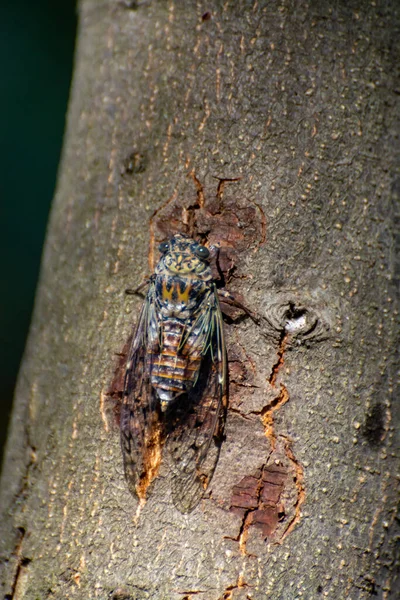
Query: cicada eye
<point>202,252</point>
<point>163,247</point>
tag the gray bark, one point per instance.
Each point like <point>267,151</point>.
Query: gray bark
<point>299,101</point>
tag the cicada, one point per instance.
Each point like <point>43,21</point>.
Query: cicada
<point>175,383</point>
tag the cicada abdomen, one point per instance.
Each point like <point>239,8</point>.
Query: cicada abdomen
<point>175,384</point>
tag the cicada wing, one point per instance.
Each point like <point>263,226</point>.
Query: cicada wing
<point>197,418</point>
<point>139,423</point>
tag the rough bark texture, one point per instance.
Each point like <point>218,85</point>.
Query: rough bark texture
<point>298,100</point>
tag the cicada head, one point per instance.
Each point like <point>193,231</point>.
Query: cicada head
<point>182,255</point>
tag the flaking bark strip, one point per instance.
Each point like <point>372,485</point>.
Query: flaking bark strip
<point>182,218</point>
<point>152,460</point>
<point>247,520</point>
<point>256,499</point>
<point>244,500</point>
<point>212,220</point>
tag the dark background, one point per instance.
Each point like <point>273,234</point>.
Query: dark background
<point>36,45</point>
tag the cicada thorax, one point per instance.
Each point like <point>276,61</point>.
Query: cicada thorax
<point>177,360</point>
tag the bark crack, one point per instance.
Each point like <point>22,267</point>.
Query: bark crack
<point>189,593</point>
<point>228,593</point>
<point>20,571</point>
<point>257,498</point>
<point>299,483</point>
<point>280,361</point>
<point>267,414</point>
<point>152,229</point>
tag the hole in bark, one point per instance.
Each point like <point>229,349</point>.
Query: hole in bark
<point>369,585</point>
<point>296,318</point>
<point>132,4</point>
<point>135,163</point>
<point>374,427</point>
<point>120,595</point>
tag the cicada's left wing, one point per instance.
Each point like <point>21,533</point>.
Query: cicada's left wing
<point>196,420</point>
<point>139,422</point>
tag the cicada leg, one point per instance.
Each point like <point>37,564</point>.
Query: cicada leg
<point>139,288</point>
<point>230,299</point>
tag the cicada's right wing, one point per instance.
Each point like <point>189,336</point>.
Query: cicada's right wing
<point>140,425</point>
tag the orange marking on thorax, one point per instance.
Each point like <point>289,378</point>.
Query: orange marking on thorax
<point>183,296</point>
<point>166,294</point>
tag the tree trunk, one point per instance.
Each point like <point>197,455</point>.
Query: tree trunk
<point>298,101</point>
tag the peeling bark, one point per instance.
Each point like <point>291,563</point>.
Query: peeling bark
<point>271,129</point>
